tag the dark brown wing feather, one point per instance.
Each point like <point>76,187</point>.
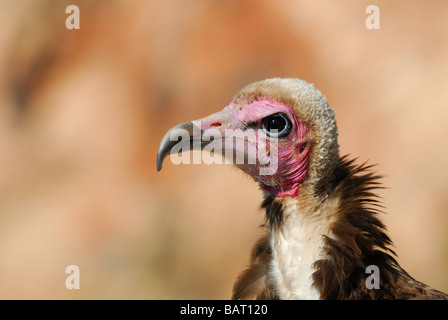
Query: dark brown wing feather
<point>359,240</point>
<point>252,284</point>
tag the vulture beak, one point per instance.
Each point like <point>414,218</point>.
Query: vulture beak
<point>192,135</point>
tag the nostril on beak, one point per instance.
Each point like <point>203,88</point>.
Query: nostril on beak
<point>215,124</point>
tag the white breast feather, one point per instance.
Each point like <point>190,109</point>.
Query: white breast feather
<point>296,246</point>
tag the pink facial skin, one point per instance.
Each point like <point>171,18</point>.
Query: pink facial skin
<point>293,150</point>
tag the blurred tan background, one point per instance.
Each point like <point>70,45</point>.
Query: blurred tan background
<point>82,113</point>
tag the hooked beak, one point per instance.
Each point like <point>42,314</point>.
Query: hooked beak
<point>167,143</point>
<point>191,133</point>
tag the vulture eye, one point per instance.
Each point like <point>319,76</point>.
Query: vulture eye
<point>277,125</point>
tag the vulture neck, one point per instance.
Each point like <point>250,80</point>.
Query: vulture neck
<point>296,244</point>
<point>322,241</point>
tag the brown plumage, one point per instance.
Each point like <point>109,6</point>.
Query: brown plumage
<point>359,240</point>
<point>323,233</point>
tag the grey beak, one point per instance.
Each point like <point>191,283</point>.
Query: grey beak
<point>168,143</point>
<point>190,134</point>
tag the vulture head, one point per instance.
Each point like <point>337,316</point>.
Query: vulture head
<point>323,236</point>
<point>289,115</point>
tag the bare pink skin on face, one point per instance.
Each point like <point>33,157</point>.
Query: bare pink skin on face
<point>293,151</point>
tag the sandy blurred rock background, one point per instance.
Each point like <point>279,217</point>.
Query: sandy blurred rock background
<point>82,113</point>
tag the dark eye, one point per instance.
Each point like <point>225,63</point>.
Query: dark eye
<point>277,125</point>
